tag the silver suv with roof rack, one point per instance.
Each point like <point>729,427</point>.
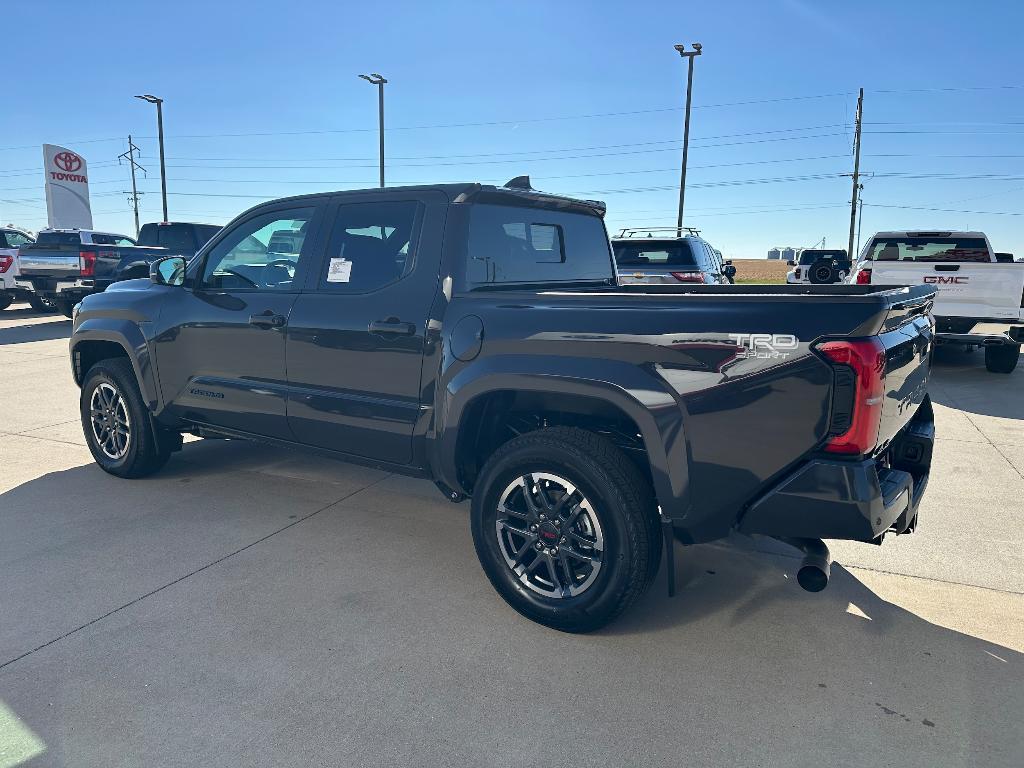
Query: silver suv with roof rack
<point>672,255</point>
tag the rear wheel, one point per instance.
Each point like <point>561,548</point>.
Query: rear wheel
<point>1003,358</point>
<point>64,307</point>
<point>565,528</point>
<point>39,304</point>
<point>6,300</point>
<point>118,429</point>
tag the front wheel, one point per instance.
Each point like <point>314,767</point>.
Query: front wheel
<point>118,429</point>
<point>1003,358</point>
<point>565,528</point>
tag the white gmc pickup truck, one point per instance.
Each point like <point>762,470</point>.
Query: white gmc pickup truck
<point>979,300</point>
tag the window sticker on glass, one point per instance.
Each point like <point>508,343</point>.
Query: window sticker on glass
<point>339,271</point>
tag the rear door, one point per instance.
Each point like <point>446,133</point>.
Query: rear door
<point>968,281</point>
<point>220,342</point>
<point>356,337</point>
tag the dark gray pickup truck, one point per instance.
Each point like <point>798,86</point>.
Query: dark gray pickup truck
<point>475,335</point>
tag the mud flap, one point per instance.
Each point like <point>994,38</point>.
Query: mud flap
<point>670,554</point>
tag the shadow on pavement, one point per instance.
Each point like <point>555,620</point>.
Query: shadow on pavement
<point>372,622</point>
<point>58,328</point>
<point>961,381</point>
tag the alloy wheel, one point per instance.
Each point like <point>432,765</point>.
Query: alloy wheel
<point>111,424</point>
<point>549,535</point>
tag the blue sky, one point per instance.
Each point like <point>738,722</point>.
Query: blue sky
<point>262,101</point>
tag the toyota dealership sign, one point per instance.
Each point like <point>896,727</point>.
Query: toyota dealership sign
<point>67,189</point>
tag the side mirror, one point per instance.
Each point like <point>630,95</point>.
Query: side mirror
<point>729,271</point>
<point>170,270</point>
<point>791,263</point>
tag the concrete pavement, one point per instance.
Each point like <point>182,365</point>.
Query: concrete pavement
<point>254,606</point>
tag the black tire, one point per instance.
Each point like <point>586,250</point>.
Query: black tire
<point>39,304</point>
<point>621,501</point>
<point>822,272</point>
<point>64,307</point>
<point>1002,359</point>
<point>6,300</point>
<point>145,451</point>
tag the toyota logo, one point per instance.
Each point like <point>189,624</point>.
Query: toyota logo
<point>67,161</point>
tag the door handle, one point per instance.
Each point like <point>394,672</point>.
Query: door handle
<point>269,319</point>
<point>392,327</point>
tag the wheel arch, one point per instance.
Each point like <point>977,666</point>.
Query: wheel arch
<point>476,404</point>
<point>101,339</point>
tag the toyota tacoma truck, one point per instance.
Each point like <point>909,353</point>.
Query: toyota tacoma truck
<point>65,265</point>
<point>476,336</point>
<point>980,299</point>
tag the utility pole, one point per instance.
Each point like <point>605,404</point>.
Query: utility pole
<point>689,56</point>
<point>130,157</point>
<point>378,80</point>
<point>160,135</point>
<point>860,220</point>
<point>856,170</point>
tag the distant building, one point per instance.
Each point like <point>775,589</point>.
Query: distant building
<point>787,253</point>
<point>774,254</point>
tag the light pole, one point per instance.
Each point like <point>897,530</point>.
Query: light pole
<point>379,81</point>
<point>160,133</point>
<point>689,56</point>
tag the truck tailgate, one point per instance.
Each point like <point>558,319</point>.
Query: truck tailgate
<point>49,263</point>
<point>968,289</point>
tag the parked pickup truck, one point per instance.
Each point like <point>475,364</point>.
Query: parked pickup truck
<point>980,300</point>
<point>475,335</point>
<point>65,265</point>
<point>11,289</point>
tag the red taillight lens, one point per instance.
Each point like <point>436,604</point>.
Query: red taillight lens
<point>864,277</point>
<point>86,263</point>
<point>796,273</point>
<point>5,263</point>
<point>866,359</point>
<point>688,277</point>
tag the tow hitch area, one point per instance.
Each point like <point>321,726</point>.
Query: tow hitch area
<point>817,563</point>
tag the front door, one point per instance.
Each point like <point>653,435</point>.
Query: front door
<point>356,337</point>
<point>221,349</point>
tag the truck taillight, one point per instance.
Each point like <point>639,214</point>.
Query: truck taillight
<point>796,273</point>
<point>859,394</point>
<point>864,277</point>
<point>5,263</point>
<point>86,263</point>
<point>688,277</point>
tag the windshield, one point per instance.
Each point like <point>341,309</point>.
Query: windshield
<point>673,254</point>
<point>925,248</point>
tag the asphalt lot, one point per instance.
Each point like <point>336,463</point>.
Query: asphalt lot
<point>255,606</point>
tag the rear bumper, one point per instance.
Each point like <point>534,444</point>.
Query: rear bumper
<point>71,290</point>
<point>985,332</point>
<point>856,500</point>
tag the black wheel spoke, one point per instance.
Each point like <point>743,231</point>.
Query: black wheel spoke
<point>552,538</point>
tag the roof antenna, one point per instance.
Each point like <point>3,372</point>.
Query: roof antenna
<point>519,182</point>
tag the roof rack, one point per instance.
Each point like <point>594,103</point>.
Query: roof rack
<point>650,231</point>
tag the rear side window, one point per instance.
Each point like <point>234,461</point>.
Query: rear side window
<point>947,249</point>
<point>509,245</point>
<point>639,255</point>
<point>371,245</point>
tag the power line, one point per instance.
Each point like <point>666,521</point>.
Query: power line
<point>947,210</point>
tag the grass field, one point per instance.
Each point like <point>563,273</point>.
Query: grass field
<point>760,271</point>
